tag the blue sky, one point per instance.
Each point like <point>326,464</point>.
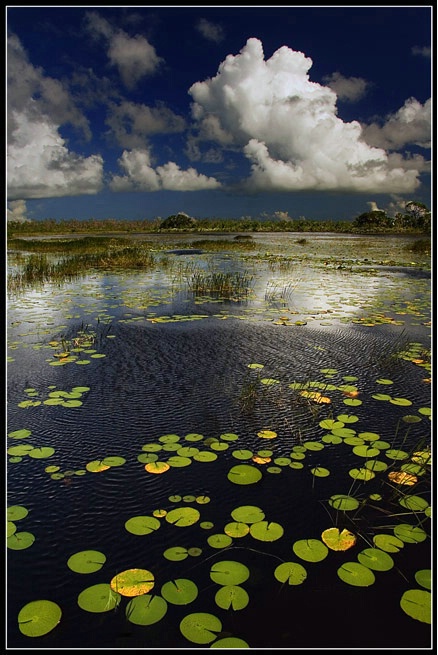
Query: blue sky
<point>140,112</point>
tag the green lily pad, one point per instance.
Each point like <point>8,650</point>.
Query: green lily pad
<point>219,540</point>
<point>39,617</point>
<point>417,603</point>
<point>331,438</point>
<point>20,434</point>
<point>410,534</point>
<point>180,591</point>
<point>99,598</point>
<point>244,474</point>
<point>42,453</point>
<point>415,503</point>
<point>356,574</point>
<point>343,502</point>
<point>232,597</point>
<point>424,578</point>
<point>242,454</point>
<point>16,512</point>
<point>290,572</point>
<point>141,525</point>
<point>20,540</point>
<point>364,474</point>
<point>393,453</point>
<point>313,445</point>
<point>388,542</point>
<point>266,531</point>
<point>375,465</point>
<point>320,472</point>
<point>11,528</point>
<point>114,461</point>
<point>310,550</point>
<point>200,627</point>
<point>176,553</point>
<point>376,559</point>
<point>236,529</point>
<point>146,609</point>
<point>86,561</point>
<point>183,516</point>
<point>205,456</point>
<point>229,436</point>
<point>366,451</point>
<point>229,572</point>
<point>179,462</point>
<point>248,514</point>
<point>230,642</point>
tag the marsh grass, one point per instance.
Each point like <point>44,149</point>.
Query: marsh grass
<point>215,245</point>
<point>226,285</point>
<point>37,268</point>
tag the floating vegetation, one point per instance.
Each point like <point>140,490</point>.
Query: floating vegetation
<point>348,445</point>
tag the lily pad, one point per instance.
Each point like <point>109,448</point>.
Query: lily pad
<point>356,574</point>
<point>133,582</point>
<point>266,531</point>
<point>20,540</point>
<point>236,529</point>
<point>232,597</point>
<point>229,573</point>
<point>219,540</point>
<point>343,502</point>
<point>338,540</point>
<point>388,542</point>
<point>146,609</point>
<point>410,534</point>
<point>414,503</point>
<point>290,572</point>
<point>142,525</point>
<point>200,627</point>
<point>86,561</point>
<point>376,559</point>
<point>244,474</point>
<point>248,514</point>
<point>180,591</point>
<point>99,598</point>
<point>310,550</point>
<point>16,512</point>
<point>424,578</point>
<point>176,553</point>
<point>39,617</point>
<point>183,516</point>
<point>417,603</point>
<point>230,642</point>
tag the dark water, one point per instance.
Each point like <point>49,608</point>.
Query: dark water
<point>191,376</point>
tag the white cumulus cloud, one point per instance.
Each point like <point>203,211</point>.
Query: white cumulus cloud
<point>288,128</point>
<point>349,89</point>
<point>133,56</point>
<point>132,123</point>
<point>39,163</point>
<point>210,31</point>
<point>17,211</point>
<point>141,176</point>
<point>410,124</point>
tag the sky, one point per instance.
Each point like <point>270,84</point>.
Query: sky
<point>268,112</point>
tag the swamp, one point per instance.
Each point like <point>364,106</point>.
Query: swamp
<point>219,441</point>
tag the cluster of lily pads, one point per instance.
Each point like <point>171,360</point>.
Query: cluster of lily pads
<point>148,605</point>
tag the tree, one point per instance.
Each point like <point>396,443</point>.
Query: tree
<point>180,221</point>
<point>372,219</point>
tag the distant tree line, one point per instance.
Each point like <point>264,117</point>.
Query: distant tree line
<point>416,219</point>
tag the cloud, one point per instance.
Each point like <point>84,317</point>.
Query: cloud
<point>133,56</point>
<point>211,31</point>
<point>17,211</point>
<point>349,89</point>
<point>39,164</point>
<point>410,124</point>
<point>424,51</point>
<point>141,176</point>
<point>288,128</point>
<point>132,123</point>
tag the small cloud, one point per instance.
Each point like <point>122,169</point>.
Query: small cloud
<point>17,211</point>
<point>423,51</point>
<point>410,124</point>
<point>134,56</point>
<point>349,89</point>
<point>141,176</point>
<point>210,31</point>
